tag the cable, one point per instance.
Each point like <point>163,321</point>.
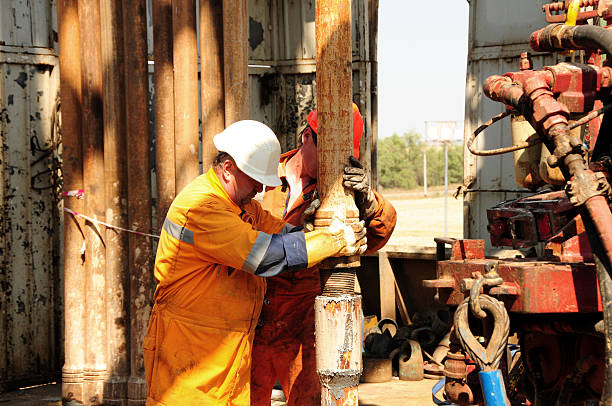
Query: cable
<point>498,151</point>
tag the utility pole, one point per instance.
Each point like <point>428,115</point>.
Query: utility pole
<point>446,188</point>
<point>425,163</point>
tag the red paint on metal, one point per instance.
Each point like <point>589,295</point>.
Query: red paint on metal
<point>529,286</point>
<point>571,244</point>
<point>467,249</point>
<point>527,221</point>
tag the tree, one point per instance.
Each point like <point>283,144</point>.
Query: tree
<point>400,162</point>
<point>392,160</point>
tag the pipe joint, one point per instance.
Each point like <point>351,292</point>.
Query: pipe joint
<point>504,90</point>
<point>553,37</point>
<point>565,145</point>
<point>586,185</point>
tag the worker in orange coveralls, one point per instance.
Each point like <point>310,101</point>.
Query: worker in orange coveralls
<point>284,340</point>
<point>216,247</point>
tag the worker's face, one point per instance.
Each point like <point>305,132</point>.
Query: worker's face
<point>309,153</point>
<point>240,187</point>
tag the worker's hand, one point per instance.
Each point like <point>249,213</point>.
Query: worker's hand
<point>351,237</point>
<point>355,178</point>
<point>309,213</point>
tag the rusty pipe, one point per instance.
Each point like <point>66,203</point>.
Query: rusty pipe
<point>164,108</point>
<point>334,122</point>
<point>115,177</point>
<point>72,169</point>
<point>93,179</point>
<point>139,191</point>
<point>235,60</point>
<point>337,311</point>
<point>504,90</point>
<point>212,71</point>
<point>185,63</point>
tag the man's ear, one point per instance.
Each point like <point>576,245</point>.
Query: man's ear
<point>306,135</point>
<point>226,170</point>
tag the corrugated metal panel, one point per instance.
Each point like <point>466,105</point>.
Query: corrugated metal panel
<point>499,32</point>
<point>505,22</point>
<point>283,44</point>
<point>29,218</point>
<point>27,23</point>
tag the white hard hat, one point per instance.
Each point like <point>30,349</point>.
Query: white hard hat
<point>254,147</point>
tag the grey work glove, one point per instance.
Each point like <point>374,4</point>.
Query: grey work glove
<point>309,213</point>
<point>355,178</point>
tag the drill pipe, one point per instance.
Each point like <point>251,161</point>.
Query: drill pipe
<point>72,169</point>
<point>93,179</point>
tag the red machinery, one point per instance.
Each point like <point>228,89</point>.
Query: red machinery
<point>554,299</point>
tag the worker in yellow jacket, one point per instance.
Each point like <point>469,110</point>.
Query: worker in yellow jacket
<point>216,247</point>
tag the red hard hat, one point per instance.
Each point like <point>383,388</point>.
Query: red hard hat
<point>357,127</point>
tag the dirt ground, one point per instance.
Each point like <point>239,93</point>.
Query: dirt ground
<point>420,219</point>
<point>392,393</point>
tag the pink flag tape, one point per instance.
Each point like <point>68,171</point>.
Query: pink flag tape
<point>79,194</point>
<point>74,213</point>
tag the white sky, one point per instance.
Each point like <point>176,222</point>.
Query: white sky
<point>422,57</point>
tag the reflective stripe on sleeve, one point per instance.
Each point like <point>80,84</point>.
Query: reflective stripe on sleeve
<point>251,263</point>
<point>179,232</point>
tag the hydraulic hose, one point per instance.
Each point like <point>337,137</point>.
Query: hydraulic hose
<point>560,37</point>
<point>603,270</point>
<point>597,218</point>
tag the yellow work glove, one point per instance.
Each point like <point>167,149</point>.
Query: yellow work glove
<point>338,240</point>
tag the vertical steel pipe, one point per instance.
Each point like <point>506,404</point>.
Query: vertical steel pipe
<point>115,176</point>
<point>236,60</point>
<point>164,108</point>
<point>334,105</point>
<point>139,191</point>
<point>211,76</point>
<point>185,57</point>
<point>93,179</point>
<point>72,169</point>
<point>373,43</point>
<point>338,310</point>
<point>338,344</point>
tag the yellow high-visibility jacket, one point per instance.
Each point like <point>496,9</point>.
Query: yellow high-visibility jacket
<point>208,297</point>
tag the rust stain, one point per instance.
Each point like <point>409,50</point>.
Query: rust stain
<point>345,360</point>
<point>350,398</point>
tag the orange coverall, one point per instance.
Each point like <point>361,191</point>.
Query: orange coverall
<point>198,345</point>
<point>284,339</point>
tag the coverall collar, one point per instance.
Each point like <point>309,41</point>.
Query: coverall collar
<point>217,189</point>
